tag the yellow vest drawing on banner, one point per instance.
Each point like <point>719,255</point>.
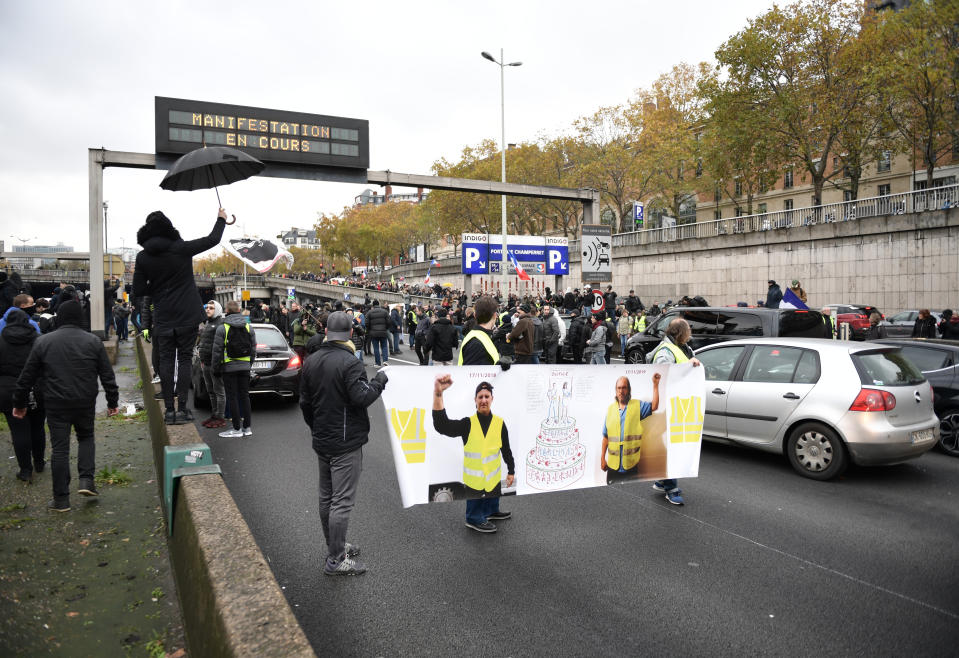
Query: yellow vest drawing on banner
<point>408,427</point>
<point>686,420</point>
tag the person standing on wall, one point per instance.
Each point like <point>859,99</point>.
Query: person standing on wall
<point>164,271</point>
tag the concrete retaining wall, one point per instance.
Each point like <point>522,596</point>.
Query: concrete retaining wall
<point>231,602</point>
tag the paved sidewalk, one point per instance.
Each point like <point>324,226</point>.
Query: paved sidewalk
<point>95,581</point>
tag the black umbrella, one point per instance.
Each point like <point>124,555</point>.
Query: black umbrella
<point>208,167</point>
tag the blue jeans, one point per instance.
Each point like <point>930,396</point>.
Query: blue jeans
<point>381,346</point>
<point>599,358</point>
<point>669,485</point>
<point>534,357</point>
<point>477,509</point>
<point>622,344</point>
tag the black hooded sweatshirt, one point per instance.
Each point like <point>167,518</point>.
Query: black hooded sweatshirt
<point>16,341</point>
<point>164,271</point>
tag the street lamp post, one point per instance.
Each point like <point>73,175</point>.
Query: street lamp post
<point>502,95</point>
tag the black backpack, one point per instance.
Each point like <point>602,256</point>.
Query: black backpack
<point>237,344</point>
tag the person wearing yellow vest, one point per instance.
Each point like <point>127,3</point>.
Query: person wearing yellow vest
<point>485,439</point>
<point>673,349</point>
<point>234,367</point>
<point>623,430</point>
<point>829,322</point>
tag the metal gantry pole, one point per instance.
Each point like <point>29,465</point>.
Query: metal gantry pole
<point>502,108</point>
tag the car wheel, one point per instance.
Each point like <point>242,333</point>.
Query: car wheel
<point>949,432</point>
<point>636,356</point>
<point>816,452</point>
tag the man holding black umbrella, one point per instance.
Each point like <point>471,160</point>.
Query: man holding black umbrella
<point>164,271</point>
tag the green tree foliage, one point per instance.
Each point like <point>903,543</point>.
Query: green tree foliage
<point>789,61</point>
<point>919,67</point>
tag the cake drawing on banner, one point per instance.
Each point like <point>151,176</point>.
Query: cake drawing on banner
<point>559,458</point>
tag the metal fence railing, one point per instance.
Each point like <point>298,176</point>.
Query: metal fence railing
<point>891,204</point>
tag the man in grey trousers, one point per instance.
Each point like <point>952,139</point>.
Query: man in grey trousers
<point>334,395</point>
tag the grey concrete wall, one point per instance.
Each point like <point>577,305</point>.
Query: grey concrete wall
<point>894,262</point>
<point>231,602</point>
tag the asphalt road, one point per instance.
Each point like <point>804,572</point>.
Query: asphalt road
<point>759,560</point>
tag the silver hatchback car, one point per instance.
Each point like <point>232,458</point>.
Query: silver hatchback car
<point>819,402</point>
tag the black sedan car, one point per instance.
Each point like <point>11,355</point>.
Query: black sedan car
<point>720,323</point>
<point>276,369</point>
<point>939,362</point>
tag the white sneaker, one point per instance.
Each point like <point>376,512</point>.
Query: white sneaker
<point>232,434</point>
<point>247,431</point>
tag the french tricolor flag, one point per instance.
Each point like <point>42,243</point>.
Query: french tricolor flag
<point>520,272</point>
<point>433,262</point>
<point>427,279</point>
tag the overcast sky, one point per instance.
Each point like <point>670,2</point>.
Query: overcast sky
<point>77,75</point>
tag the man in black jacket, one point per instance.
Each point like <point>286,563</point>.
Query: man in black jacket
<point>334,395</point>
<point>164,271</point>
<point>378,332</point>
<point>68,362</point>
<point>577,335</point>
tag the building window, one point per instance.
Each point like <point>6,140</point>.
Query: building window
<point>763,187</point>
<point>847,195</point>
<point>716,195</point>
<point>835,163</point>
<point>739,213</point>
<point>788,179</point>
<point>739,188</point>
<point>717,214</point>
<point>885,190</point>
<point>762,209</point>
<point>788,204</point>
<point>885,161</point>
<point>699,168</point>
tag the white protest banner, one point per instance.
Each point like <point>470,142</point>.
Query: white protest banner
<point>258,253</point>
<point>564,427</point>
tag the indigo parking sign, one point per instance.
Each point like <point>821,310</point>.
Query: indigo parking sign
<point>481,253</point>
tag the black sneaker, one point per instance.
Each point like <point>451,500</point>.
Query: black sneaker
<point>39,465</point>
<point>169,417</point>
<point>184,417</point>
<point>485,526</point>
<point>499,516</point>
<point>87,488</point>
<point>25,476</point>
<point>345,567</point>
<point>61,505</point>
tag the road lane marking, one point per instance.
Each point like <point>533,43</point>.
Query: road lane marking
<point>644,501</point>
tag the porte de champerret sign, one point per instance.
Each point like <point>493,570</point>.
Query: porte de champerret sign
<point>272,136</point>
<point>482,253</point>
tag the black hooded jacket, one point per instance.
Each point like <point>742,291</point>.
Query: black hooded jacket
<point>16,341</point>
<point>68,362</point>
<point>164,271</point>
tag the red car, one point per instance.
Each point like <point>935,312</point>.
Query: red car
<point>856,316</point>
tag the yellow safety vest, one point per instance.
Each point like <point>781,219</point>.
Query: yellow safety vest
<point>628,445</point>
<point>678,353</point>
<point>483,338</point>
<point>408,426</point>
<point>226,336</point>
<point>641,323</point>
<point>686,424</point>
<point>481,458</point>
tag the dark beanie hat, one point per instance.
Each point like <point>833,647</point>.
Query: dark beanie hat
<point>69,312</point>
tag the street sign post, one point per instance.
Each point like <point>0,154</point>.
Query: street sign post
<point>637,215</point>
<point>597,247</point>
<point>599,302</point>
